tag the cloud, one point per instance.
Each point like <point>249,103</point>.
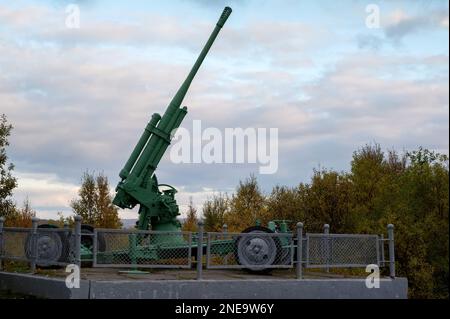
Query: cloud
<point>80,100</point>
<point>278,43</point>
<point>398,25</point>
<point>48,195</point>
<point>401,24</point>
<point>370,41</point>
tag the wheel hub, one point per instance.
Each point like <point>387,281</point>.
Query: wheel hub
<point>257,249</point>
<point>47,248</point>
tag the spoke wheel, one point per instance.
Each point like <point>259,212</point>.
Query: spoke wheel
<point>257,250</point>
<point>49,248</point>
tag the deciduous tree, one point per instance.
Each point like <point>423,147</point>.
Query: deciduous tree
<point>190,224</point>
<point>7,181</point>
<point>214,211</point>
<point>94,202</point>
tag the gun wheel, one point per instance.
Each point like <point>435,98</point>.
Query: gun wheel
<point>49,248</point>
<point>257,250</point>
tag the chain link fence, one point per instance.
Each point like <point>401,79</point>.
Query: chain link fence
<point>257,251</point>
<point>341,250</point>
<point>14,242</point>
<point>143,249</point>
<point>42,247</point>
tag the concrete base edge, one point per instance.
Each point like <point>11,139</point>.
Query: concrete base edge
<point>205,289</point>
<point>42,287</point>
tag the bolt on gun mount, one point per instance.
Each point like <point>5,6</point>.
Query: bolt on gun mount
<point>139,184</point>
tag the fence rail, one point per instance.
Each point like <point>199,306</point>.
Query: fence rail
<point>143,249</point>
<point>255,251</point>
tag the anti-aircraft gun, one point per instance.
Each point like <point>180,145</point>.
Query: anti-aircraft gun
<point>158,208</point>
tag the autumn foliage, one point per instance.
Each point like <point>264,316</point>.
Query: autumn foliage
<point>408,190</point>
<point>94,202</point>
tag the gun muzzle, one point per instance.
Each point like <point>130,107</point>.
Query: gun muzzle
<point>223,18</point>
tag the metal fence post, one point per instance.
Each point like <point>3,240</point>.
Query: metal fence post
<point>382,263</point>
<point>34,243</point>
<point>299,264</point>
<point>95,248</point>
<point>66,229</point>
<point>200,250</point>
<point>390,228</point>
<point>224,230</point>
<point>225,233</point>
<point>2,221</point>
<point>326,231</point>
<point>77,251</point>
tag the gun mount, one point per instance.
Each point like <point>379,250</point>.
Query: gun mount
<point>139,184</point>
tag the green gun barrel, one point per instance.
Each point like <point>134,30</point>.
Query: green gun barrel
<point>157,135</point>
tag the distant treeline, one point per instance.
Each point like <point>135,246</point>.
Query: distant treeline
<point>410,191</point>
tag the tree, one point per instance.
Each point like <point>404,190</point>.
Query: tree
<point>7,181</point>
<point>286,203</point>
<point>214,211</point>
<point>94,204</point>
<point>85,205</point>
<point>63,220</point>
<point>108,213</point>
<point>21,217</point>
<point>424,212</point>
<point>368,170</point>
<point>247,205</point>
<point>190,224</point>
<point>410,190</point>
<point>327,201</point>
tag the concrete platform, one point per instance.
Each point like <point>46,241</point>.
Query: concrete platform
<point>214,286</point>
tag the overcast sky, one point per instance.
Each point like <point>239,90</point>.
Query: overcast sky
<point>80,98</point>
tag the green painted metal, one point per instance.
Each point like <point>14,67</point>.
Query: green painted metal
<point>272,226</point>
<point>86,253</point>
<point>139,184</point>
<point>282,225</point>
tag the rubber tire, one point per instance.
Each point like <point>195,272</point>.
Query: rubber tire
<point>257,229</point>
<point>56,241</point>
